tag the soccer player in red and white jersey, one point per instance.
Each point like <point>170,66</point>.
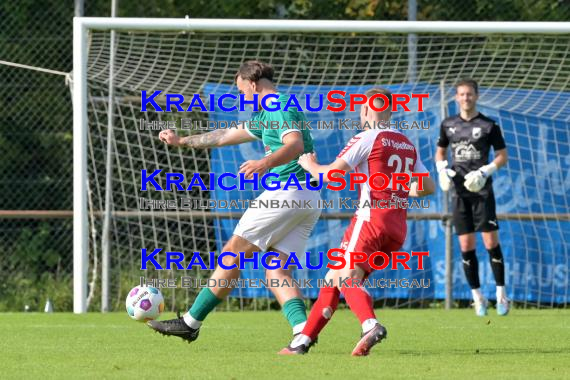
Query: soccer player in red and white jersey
<point>372,229</point>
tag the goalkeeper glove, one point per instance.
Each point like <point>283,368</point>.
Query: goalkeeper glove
<point>444,175</point>
<point>476,179</point>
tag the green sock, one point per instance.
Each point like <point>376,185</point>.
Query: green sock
<point>295,312</point>
<point>204,304</point>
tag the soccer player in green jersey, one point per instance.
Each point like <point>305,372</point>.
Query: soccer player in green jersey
<point>282,230</point>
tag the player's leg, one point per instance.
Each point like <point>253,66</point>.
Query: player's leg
<point>289,297</point>
<point>321,312</point>
<point>471,269</point>
<point>491,241</point>
<point>209,298</point>
<point>354,240</point>
<point>349,282</point>
<point>187,327</point>
<point>359,237</point>
<point>467,244</point>
<point>373,238</point>
<point>324,306</point>
<point>486,222</point>
<point>362,305</point>
<point>465,229</point>
<point>246,239</point>
<point>289,231</point>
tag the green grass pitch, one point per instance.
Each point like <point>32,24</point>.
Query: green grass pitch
<point>242,345</point>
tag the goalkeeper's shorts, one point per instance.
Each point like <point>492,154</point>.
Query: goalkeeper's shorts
<point>283,226</point>
<point>475,214</point>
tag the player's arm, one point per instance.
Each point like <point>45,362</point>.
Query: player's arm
<point>216,138</point>
<point>293,146</point>
<point>440,154</point>
<point>309,163</point>
<point>498,142</point>
<point>444,174</point>
<point>428,185</point>
<point>501,158</point>
<point>355,151</point>
<point>442,144</point>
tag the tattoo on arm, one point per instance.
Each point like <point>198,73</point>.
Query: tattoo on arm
<point>204,140</point>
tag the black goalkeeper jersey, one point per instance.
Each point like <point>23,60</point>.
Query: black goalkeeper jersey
<point>470,144</point>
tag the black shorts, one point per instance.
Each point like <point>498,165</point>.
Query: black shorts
<point>472,214</point>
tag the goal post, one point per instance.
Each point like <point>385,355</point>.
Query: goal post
<point>80,128</point>
<point>516,79</point>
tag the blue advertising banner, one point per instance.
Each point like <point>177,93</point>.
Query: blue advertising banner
<point>535,180</point>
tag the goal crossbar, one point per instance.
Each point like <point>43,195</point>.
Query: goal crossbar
<point>334,26</point>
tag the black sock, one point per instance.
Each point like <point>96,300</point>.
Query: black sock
<point>497,265</point>
<point>471,268</point>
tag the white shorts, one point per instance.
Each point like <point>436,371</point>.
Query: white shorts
<point>285,229</point>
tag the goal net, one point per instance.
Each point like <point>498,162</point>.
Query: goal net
<point>524,86</point>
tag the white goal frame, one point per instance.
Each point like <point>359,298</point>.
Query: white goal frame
<point>82,25</point>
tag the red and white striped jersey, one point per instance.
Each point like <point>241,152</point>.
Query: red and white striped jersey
<point>382,151</point>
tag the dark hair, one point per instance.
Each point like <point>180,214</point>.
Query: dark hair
<point>254,71</point>
<point>379,90</point>
<point>468,82</point>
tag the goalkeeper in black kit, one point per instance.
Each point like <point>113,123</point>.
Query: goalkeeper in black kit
<point>470,135</point>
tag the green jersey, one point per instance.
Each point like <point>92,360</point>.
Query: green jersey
<point>270,127</point>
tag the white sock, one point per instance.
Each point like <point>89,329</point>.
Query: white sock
<point>368,325</point>
<point>501,294</point>
<point>191,322</point>
<point>477,295</point>
<point>298,328</point>
<point>299,340</point>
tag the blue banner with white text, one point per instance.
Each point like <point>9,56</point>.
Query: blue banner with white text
<point>536,127</point>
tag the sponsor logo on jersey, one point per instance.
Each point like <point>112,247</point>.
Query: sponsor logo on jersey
<point>397,144</point>
<point>465,151</point>
<point>476,133</point>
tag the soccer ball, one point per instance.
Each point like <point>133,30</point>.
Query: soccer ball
<point>144,303</point>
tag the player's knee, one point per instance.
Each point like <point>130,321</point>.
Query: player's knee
<point>496,253</point>
<point>491,240</point>
<point>237,244</point>
<point>468,256</point>
<point>332,277</point>
<point>229,246</point>
<point>467,242</point>
<point>229,261</point>
<point>467,246</point>
<point>346,272</point>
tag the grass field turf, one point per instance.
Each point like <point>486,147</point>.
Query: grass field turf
<point>243,345</point>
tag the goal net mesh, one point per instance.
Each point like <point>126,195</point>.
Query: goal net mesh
<point>524,86</point>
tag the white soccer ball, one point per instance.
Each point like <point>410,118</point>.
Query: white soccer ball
<point>144,303</point>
